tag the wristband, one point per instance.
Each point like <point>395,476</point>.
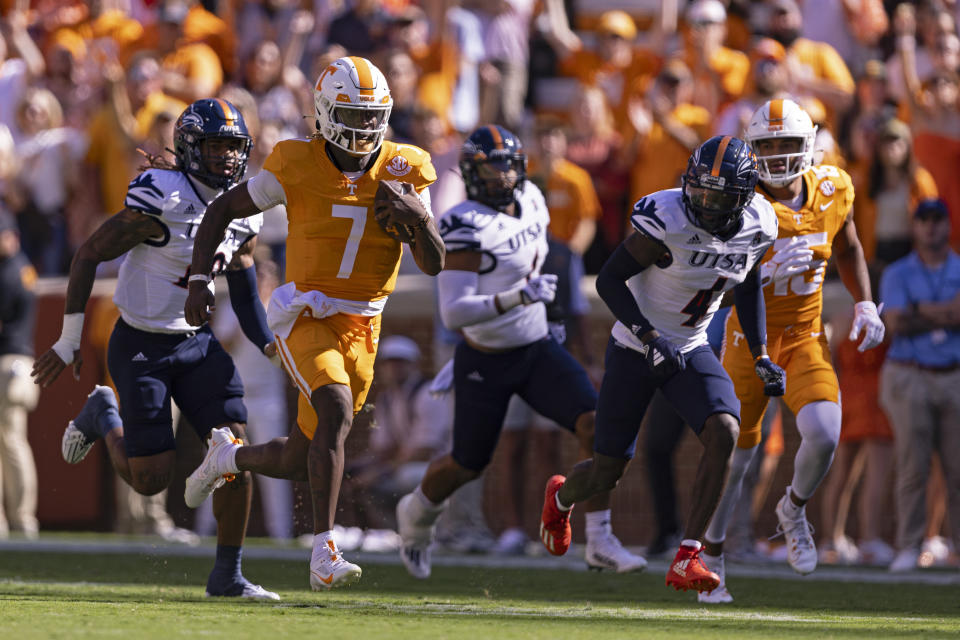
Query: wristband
<point>69,337</point>
<point>202,277</point>
<point>761,357</point>
<point>507,300</point>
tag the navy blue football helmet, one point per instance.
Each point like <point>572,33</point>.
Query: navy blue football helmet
<point>495,146</point>
<point>719,182</point>
<point>204,120</point>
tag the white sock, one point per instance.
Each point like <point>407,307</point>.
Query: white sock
<point>790,507</point>
<point>691,543</point>
<point>598,524</point>
<point>739,462</point>
<point>424,511</point>
<point>556,498</point>
<point>819,427</point>
<point>228,460</point>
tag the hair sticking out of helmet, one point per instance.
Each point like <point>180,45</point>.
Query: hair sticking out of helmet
<point>353,105</point>
<point>211,143</point>
<point>493,165</point>
<point>718,183</point>
<point>771,127</point>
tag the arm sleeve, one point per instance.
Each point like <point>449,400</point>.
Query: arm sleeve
<point>751,310</point>
<point>612,287</point>
<point>460,305</point>
<point>266,191</point>
<point>246,304</point>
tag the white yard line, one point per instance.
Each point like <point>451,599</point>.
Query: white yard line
<point>573,561</point>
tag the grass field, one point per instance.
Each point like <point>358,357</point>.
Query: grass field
<point>71,595</point>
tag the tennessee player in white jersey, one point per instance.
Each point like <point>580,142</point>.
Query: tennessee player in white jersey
<point>814,207</point>
<point>493,292</point>
<point>341,266</point>
<point>663,284</point>
<point>154,355</point>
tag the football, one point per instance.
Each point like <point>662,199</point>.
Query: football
<point>389,193</point>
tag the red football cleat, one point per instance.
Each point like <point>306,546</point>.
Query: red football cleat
<point>687,571</point>
<point>555,524</point>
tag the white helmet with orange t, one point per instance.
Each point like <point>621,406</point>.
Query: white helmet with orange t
<point>783,119</point>
<point>353,105</point>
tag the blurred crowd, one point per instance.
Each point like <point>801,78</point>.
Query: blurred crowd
<point>609,102</point>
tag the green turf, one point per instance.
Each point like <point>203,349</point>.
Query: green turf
<point>47,595</point>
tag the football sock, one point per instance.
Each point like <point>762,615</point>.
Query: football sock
<point>107,421</point>
<point>598,524</point>
<point>226,579</point>
<point>691,543</point>
<point>739,462</point>
<point>819,427</point>
<point>424,511</point>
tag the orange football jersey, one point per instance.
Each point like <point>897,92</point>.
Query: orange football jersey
<point>829,202</point>
<point>334,244</point>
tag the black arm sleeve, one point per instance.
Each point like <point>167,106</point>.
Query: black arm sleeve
<point>751,310</point>
<point>246,304</point>
<point>612,287</point>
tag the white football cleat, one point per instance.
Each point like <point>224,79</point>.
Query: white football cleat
<point>720,595</point>
<point>81,433</point>
<point>801,551</point>
<point>416,542</point>
<point>210,475</point>
<point>250,592</point>
<point>329,570</point>
<point>606,552</point>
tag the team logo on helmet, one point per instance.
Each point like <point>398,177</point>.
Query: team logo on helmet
<point>398,166</point>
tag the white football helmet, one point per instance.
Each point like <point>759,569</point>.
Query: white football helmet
<point>353,105</point>
<point>782,118</point>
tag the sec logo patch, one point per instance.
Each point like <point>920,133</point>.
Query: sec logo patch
<point>398,166</point>
<point>827,188</point>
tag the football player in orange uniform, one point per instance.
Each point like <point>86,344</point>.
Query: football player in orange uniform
<point>814,208</point>
<point>341,266</point>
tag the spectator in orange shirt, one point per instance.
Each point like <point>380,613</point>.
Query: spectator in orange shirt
<point>720,74</point>
<point>768,81</point>
<point>133,101</point>
<point>816,69</point>
<point>894,186</point>
<point>615,64</point>
<point>191,71</point>
<point>567,188</point>
<point>669,127</point>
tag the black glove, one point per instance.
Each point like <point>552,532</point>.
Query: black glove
<point>663,357</point>
<point>774,378</point>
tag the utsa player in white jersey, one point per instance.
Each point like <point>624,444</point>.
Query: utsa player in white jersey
<point>491,290</point>
<point>663,284</point>
<point>341,267</point>
<point>154,355</point>
<point>814,205</point>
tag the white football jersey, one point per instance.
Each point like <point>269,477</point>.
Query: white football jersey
<point>680,296</point>
<point>152,285</point>
<point>513,249</point>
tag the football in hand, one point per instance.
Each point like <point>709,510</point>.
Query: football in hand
<point>392,196</point>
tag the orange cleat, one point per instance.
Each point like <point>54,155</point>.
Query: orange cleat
<point>554,523</point>
<point>687,571</point>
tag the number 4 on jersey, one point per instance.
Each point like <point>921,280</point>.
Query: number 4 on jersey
<point>700,303</point>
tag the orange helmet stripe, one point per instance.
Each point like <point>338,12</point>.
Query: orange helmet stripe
<point>495,134</point>
<point>776,112</point>
<point>228,113</point>
<point>718,159</point>
<point>364,75</point>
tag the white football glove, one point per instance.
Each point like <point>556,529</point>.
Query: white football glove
<point>542,288</point>
<point>786,263</point>
<point>867,318</point>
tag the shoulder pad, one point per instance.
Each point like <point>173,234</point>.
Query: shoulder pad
<point>407,163</point>
<point>147,192</point>
<point>653,214</point>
